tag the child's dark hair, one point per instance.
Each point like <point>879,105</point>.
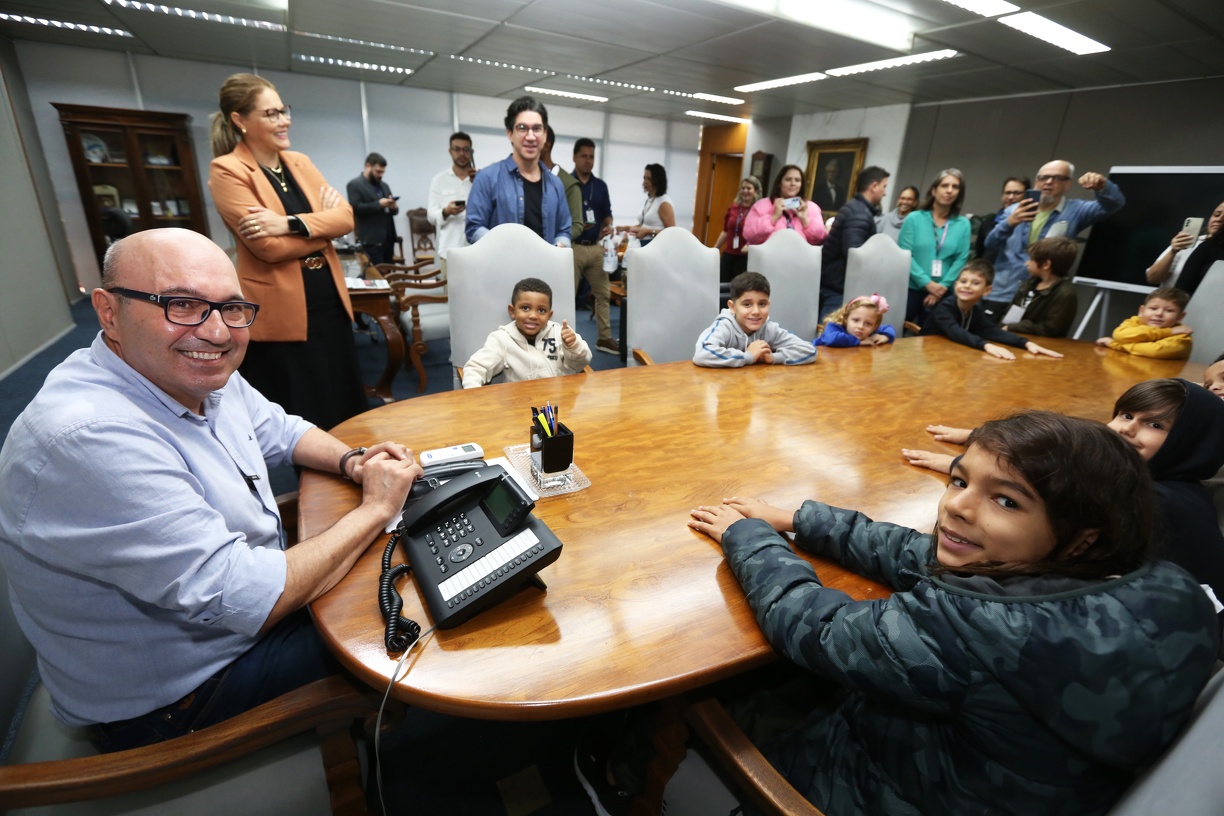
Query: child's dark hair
<point>1089,479</point>
<point>982,267</point>
<point>748,282</point>
<point>1178,297</point>
<point>1060,252</point>
<point>1219,359</point>
<point>1163,398</point>
<point>531,285</point>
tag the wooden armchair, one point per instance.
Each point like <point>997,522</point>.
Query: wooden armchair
<point>422,235</point>
<point>423,306</point>
<point>745,766</point>
<point>279,745</point>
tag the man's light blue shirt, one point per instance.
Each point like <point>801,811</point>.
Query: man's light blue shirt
<point>139,559</point>
<point>1007,246</point>
<point>497,198</point>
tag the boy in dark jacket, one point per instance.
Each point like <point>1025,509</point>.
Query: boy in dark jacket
<point>960,318</point>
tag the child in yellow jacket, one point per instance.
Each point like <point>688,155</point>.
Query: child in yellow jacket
<point>1158,330</point>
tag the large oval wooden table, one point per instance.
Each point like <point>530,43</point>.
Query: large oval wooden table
<point>639,607</point>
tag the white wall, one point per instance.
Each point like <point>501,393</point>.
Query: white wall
<point>883,127</point>
<point>407,125</point>
<point>33,303</point>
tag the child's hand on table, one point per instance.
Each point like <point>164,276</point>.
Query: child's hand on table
<point>938,462</point>
<point>998,351</point>
<point>946,433</point>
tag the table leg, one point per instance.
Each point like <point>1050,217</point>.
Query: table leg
<point>395,344</point>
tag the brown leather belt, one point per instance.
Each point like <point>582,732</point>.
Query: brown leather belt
<point>314,262</point>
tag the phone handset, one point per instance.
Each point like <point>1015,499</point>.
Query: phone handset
<point>432,505</point>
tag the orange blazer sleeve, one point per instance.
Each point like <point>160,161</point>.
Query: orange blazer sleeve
<point>269,268</point>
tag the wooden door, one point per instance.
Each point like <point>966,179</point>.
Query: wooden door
<point>724,187</point>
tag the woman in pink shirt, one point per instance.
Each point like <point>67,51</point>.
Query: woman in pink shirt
<point>785,209</point>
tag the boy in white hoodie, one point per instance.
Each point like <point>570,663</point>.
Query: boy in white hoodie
<point>531,346</point>
<point>743,334</point>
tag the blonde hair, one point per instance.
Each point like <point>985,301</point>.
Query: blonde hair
<point>237,95</point>
<point>841,315</point>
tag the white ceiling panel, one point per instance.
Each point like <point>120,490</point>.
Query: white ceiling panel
<point>445,32</point>
<point>560,53</point>
<point>680,45</point>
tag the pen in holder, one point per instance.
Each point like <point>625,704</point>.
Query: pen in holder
<point>551,456</point>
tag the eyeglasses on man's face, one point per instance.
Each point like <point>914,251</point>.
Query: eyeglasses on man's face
<point>192,311</point>
<point>274,114</point>
<point>1043,179</point>
<point>523,127</point>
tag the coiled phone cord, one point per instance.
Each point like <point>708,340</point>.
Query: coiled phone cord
<point>401,632</point>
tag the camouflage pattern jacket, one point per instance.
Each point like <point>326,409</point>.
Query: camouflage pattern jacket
<point>970,694</point>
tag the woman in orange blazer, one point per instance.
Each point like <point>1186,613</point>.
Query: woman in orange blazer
<point>284,215</point>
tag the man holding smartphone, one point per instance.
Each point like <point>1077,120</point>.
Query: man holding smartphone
<point>448,193</point>
<point>1043,213</point>
<point>374,210</point>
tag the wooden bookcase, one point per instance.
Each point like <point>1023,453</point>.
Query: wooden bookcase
<point>136,170</point>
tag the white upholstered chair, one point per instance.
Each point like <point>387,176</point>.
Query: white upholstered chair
<point>880,267</point>
<point>481,277</point>
<point>792,267</point>
<point>672,284</point>
<point>1203,314</point>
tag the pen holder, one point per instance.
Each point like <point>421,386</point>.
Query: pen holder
<point>551,456</point>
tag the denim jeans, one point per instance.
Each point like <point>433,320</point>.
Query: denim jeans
<point>289,656</point>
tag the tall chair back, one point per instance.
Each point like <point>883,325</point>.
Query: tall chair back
<point>481,277</point>
<point>1203,314</point>
<point>672,284</point>
<point>880,267</point>
<point>792,266</point>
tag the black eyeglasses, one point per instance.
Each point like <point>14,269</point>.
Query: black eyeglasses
<point>1043,179</point>
<point>192,311</point>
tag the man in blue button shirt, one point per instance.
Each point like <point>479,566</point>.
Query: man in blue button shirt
<point>516,190</point>
<point>1054,216</point>
<point>140,537</point>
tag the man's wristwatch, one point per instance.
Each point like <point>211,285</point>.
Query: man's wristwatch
<point>344,460</point>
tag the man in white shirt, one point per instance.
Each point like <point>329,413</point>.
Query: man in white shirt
<point>448,198</point>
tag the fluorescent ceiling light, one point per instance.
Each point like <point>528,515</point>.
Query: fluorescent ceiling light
<point>860,20</point>
<point>611,82</point>
<point>781,83</point>
<point>191,14</point>
<point>365,43</point>
<point>343,63</point>
<point>1044,29</point>
<point>42,21</point>
<point>986,8</point>
<point>570,94</point>
<point>726,100</point>
<point>497,64</point>
<point>896,62</point>
<point>736,119</point>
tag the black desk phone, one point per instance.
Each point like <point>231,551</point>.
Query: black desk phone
<point>473,542</point>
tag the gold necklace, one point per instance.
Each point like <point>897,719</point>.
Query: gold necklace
<point>279,175</point>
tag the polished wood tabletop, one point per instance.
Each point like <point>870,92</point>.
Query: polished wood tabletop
<point>640,607</point>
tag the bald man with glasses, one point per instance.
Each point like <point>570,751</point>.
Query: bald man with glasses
<point>1053,216</point>
<point>140,536</point>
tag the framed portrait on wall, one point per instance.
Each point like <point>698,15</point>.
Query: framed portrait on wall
<point>762,164</point>
<point>832,169</point>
